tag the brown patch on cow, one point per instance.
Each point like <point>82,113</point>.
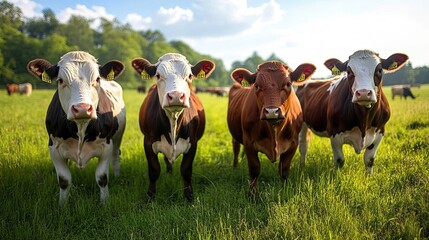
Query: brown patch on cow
<point>64,184</point>
<point>102,181</point>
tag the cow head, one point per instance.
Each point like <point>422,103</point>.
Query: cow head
<point>272,86</point>
<point>365,71</point>
<point>174,76</point>
<point>78,79</point>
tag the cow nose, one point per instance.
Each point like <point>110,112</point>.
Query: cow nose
<point>363,95</point>
<point>272,113</point>
<point>175,98</point>
<point>82,110</point>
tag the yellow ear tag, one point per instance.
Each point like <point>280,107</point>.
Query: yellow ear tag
<point>335,71</point>
<point>245,83</point>
<point>144,75</point>
<point>394,65</point>
<point>201,74</point>
<point>45,77</point>
<point>111,75</point>
<point>301,78</point>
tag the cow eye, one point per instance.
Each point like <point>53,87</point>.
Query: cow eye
<point>158,76</point>
<point>190,76</point>
<point>98,80</point>
<point>60,80</point>
<point>288,84</point>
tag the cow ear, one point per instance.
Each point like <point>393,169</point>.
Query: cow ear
<point>394,62</point>
<point>302,73</point>
<point>43,69</point>
<point>111,70</point>
<point>243,76</point>
<point>336,66</point>
<point>144,68</point>
<point>203,69</point>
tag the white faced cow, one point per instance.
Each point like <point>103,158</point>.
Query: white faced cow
<point>351,109</point>
<point>172,117</point>
<point>86,117</point>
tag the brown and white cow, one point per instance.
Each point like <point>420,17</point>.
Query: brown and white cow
<point>86,117</point>
<point>23,88</point>
<point>350,109</point>
<point>172,117</point>
<point>266,116</point>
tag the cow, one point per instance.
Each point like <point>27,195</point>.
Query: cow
<point>86,116</point>
<point>349,109</point>
<point>402,91</point>
<point>172,118</point>
<point>264,115</point>
<point>23,88</point>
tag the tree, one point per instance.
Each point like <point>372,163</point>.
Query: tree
<point>78,33</point>
<point>42,27</point>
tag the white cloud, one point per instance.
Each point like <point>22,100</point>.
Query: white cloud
<point>30,9</point>
<point>138,22</point>
<point>95,13</point>
<point>174,15</point>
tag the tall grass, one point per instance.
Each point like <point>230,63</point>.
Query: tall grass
<point>317,202</point>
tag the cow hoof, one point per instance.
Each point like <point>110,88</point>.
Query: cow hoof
<point>189,195</point>
<point>339,163</point>
<point>151,194</point>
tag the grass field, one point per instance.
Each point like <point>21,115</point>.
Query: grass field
<point>318,202</point>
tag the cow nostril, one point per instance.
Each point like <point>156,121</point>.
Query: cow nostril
<point>182,97</point>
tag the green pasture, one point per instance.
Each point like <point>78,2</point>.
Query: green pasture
<point>318,201</point>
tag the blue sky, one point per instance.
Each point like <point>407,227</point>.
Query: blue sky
<point>296,31</point>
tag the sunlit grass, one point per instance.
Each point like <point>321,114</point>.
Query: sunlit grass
<point>318,201</point>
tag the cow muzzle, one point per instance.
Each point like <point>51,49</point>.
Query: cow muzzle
<point>272,114</point>
<point>364,97</point>
<point>176,100</point>
<point>83,111</point>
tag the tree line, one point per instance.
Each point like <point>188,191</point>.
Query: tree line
<point>22,40</point>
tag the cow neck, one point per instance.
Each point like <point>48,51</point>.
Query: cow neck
<point>174,117</point>
<point>82,125</point>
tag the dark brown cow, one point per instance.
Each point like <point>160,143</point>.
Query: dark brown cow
<point>172,117</point>
<point>266,116</point>
<point>350,109</point>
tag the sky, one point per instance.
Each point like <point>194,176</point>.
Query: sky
<point>304,31</point>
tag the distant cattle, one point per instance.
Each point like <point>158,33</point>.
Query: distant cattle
<point>172,118</point>
<point>86,117</point>
<point>23,89</point>
<point>141,88</point>
<point>218,91</point>
<point>402,91</point>
<point>350,109</point>
<point>265,116</point>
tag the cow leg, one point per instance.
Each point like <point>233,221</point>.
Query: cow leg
<point>285,162</point>
<point>254,169</point>
<point>116,162</point>
<point>337,149</point>
<point>102,172</point>
<point>303,138</point>
<point>186,171</point>
<point>154,168</point>
<point>370,152</point>
<point>63,175</point>
<point>236,150</point>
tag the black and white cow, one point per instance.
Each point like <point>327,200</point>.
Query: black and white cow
<point>86,117</point>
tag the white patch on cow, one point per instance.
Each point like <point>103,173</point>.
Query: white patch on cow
<point>363,64</point>
<point>173,70</point>
<point>163,146</point>
<point>79,72</point>
<point>335,82</point>
<point>68,149</point>
<point>354,138</point>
